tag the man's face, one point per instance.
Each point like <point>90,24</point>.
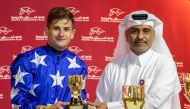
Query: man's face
<point>60,32</point>
<point>140,38</point>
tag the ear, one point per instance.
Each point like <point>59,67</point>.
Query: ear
<point>73,34</point>
<point>46,31</point>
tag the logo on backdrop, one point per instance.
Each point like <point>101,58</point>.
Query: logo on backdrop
<point>5,30</point>
<point>95,35</point>
<point>77,50</point>
<point>5,72</point>
<point>25,14</point>
<point>26,10</point>
<point>41,37</point>
<point>1,96</point>
<point>179,64</point>
<point>24,49</point>
<point>109,58</point>
<point>78,18</point>
<point>4,35</point>
<point>113,15</point>
<point>93,71</point>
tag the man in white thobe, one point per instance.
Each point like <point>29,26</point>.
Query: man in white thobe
<point>141,55</point>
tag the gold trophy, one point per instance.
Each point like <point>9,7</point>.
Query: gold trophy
<point>186,80</point>
<point>133,96</point>
<point>75,84</point>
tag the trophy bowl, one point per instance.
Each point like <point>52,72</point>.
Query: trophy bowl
<point>133,96</point>
<point>75,84</point>
<point>186,81</point>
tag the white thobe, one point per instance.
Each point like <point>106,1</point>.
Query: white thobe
<point>160,77</point>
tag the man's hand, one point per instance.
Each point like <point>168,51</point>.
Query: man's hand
<point>58,105</point>
<point>99,105</point>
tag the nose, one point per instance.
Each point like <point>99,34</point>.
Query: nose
<point>61,32</point>
<point>140,35</point>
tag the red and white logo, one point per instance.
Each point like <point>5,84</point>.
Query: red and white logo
<point>93,70</point>
<point>5,72</point>
<point>75,49</point>
<point>73,10</point>
<point>26,48</point>
<point>25,15</point>
<point>42,37</point>
<point>179,64</point>
<point>96,30</point>
<point>115,11</point>
<point>1,96</point>
<point>26,10</point>
<point>5,37</point>
<point>94,35</point>
<point>5,30</point>
<point>79,17</point>
<point>186,106</point>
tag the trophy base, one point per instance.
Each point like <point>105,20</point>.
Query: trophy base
<point>131,105</point>
<point>83,106</point>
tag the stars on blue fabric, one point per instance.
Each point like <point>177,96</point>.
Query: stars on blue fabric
<point>33,88</point>
<point>57,79</point>
<point>39,59</point>
<point>19,76</point>
<point>31,81</point>
<point>14,106</point>
<point>73,63</point>
<point>83,82</point>
<point>14,92</point>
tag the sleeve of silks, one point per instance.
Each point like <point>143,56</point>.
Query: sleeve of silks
<point>164,89</point>
<point>83,91</point>
<point>104,91</point>
<point>21,84</point>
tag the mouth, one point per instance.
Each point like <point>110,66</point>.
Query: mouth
<point>140,42</point>
<point>61,39</point>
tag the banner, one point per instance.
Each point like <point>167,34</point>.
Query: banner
<point>22,24</point>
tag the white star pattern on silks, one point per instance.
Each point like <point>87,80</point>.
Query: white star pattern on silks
<point>73,63</point>
<point>83,82</point>
<point>19,76</point>
<point>56,100</point>
<point>33,88</point>
<point>14,106</point>
<point>14,92</point>
<point>39,59</point>
<point>57,79</point>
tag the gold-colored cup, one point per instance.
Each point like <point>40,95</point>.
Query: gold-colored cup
<point>186,80</point>
<point>75,84</point>
<point>133,96</point>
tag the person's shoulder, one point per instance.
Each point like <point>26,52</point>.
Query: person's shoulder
<point>162,56</point>
<point>26,55</point>
<point>164,59</point>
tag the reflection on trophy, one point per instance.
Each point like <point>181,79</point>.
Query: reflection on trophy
<point>75,84</point>
<point>186,80</point>
<point>133,96</point>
